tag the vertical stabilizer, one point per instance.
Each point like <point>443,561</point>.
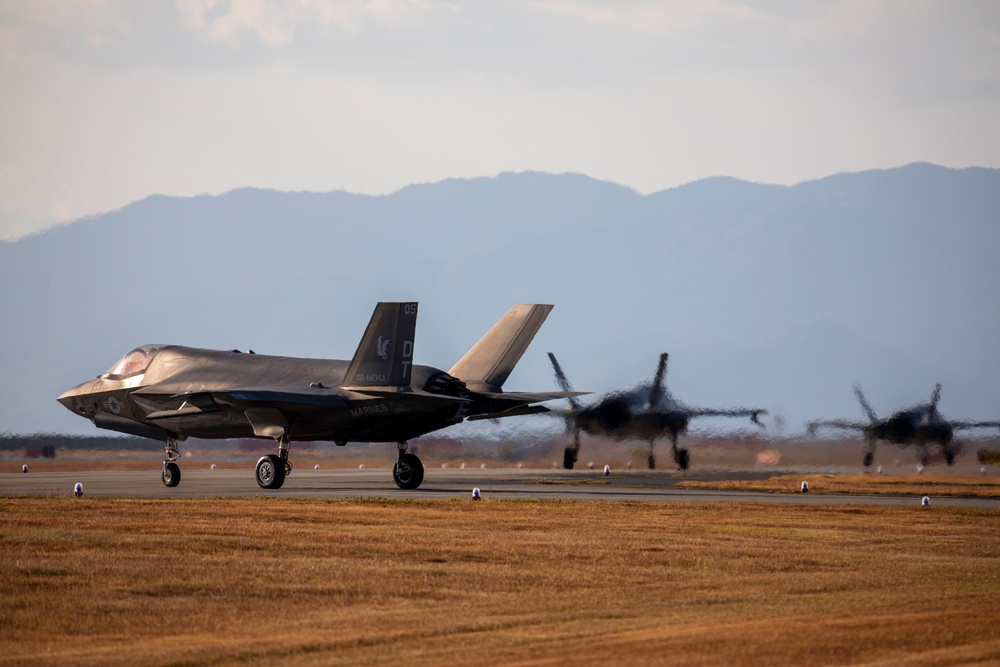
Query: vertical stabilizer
<point>563,383</point>
<point>659,388</point>
<point>490,361</point>
<point>385,354</point>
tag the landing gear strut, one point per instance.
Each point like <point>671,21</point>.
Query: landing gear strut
<point>408,473</point>
<point>171,474</point>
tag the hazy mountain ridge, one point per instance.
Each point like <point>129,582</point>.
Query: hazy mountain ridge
<point>744,284</point>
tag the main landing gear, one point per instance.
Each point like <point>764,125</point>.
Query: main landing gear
<point>569,458</point>
<point>681,457</point>
<point>273,468</point>
<point>571,452</point>
<point>408,473</point>
<point>950,454</point>
<point>171,474</point>
<point>870,453</point>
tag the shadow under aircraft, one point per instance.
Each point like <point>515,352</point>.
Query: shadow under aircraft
<point>169,392</point>
<point>646,412</point>
<point>919,426</point>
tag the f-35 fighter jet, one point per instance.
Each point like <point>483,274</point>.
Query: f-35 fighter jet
<point>920,426</point>
<point>646,412</point>
<point>169,392</point>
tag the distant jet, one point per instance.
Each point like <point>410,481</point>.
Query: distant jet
<point>644,413</point>
<point>920,425</point>
<point>168,393</point>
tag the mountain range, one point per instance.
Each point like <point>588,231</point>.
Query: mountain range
<point>764,296</point>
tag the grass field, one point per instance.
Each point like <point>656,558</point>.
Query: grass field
<point>268,581</point>
<point>932,483</point>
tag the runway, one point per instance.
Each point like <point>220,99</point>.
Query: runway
<point>494,484</point>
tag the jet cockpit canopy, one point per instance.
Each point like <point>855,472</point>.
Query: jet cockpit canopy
<point>133,363</point>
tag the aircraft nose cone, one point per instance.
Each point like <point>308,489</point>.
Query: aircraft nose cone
<point>68,400</point>
<point>71,400</point>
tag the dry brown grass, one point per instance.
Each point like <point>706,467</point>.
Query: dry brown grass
<point>932,484</point>
<point>269,581</point>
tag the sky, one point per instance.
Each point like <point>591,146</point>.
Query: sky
<point>104,102</point>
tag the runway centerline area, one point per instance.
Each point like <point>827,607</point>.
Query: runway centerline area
<point>494,484</point>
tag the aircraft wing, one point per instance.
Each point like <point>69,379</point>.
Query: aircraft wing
<point>251,401</point>
<point>167,406</point>
<point>836,423</point>
<point>753,413</point>
<point>962,425</point>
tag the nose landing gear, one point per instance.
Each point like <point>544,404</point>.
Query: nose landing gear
<point>171,474</point>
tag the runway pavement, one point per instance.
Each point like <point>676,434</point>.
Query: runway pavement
<point>496,484</point>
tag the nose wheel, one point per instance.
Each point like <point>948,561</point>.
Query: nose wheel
<point>171,474</point>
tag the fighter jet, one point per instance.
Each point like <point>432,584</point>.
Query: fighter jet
<point>921,426</point>
<point>170,392</point>
<point>644,413</point>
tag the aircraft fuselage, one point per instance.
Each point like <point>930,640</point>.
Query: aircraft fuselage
<point>213,394</point>
<point>913,427</point>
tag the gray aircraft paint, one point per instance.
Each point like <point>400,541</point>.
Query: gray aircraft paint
<point>170,392</point>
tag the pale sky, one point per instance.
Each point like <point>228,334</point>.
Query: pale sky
<point>103,102</point>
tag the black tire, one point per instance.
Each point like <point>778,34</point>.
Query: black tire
<point>569,458</point>
<point>869,459</point>
<point>682,459</point>
<point>171,474</point>
<point>949,456</point>
<point>270,472</point>
<point>652,462</point>
<point>408,473</point>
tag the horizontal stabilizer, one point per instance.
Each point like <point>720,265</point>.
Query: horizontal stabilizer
<point>533,396</point>
<point>402,397</point>
<point>490,361</point>
<point>512,412</point>
<point>492,404</point>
